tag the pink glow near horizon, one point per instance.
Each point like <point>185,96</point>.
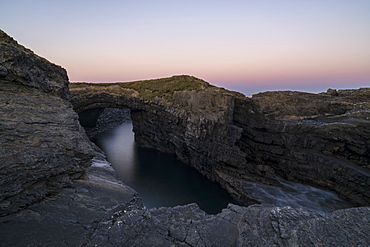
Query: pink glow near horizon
<point>303,45</point>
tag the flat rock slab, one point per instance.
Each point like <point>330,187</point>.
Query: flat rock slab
<point>98,210</point>
<point>66,217</point>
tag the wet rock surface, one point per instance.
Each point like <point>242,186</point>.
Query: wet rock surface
<point>54,194</point>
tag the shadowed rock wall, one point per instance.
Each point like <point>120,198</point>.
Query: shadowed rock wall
<point>43,148</point>
<point>42,143</point>
<point>318,139</point>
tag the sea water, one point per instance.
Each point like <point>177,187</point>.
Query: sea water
<point>163,181</point>
<point>160,179</point>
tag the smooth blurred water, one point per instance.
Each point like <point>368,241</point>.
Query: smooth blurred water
<point>297,196</point>
<point>160,179</point>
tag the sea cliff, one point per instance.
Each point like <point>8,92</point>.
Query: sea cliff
<point>57,189</point>
<point>317,139</point>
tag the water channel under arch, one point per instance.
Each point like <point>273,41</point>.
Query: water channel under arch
<point>163,181</point>
<point>160,179</point>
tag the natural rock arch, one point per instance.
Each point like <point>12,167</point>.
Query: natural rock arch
<point>45,153</point>
<point>231,138</point>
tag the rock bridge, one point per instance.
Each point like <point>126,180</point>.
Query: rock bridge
<point>52,194</point>
<point>316,139</point>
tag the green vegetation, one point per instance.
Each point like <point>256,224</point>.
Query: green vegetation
<point>163,87</point>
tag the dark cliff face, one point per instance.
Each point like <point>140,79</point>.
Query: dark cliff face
<point>42,144</point>
<point>43,148</point>
<point>317,139</point>
<point>320,139</point>
<point>21,65</point>
<point>323,143</point>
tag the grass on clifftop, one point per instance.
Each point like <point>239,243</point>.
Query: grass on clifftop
<point>163,87</point>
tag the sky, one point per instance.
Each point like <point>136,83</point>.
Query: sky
<point>247,46</point>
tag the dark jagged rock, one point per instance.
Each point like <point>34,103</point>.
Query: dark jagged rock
<point>108,119</point>
<point>98,210</point>
<point>317,139</point>
<point>69,215</point>
<point>22,66</point>
<point>42,143</point>
<point>235,226</point>
<point>45,155</point>
<point>274,226</point>
<point>88,118</point>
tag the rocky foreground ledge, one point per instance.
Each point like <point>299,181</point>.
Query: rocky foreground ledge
<point>55,193</point>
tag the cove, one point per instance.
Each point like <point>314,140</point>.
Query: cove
<point>160,179</point>
<point>163,181</point>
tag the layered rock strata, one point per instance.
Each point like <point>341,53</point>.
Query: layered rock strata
<point>42,143</point>
<point>320,139</point>
<point>107,118</point>
<point>317,139</point>
<point>52,196</point>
